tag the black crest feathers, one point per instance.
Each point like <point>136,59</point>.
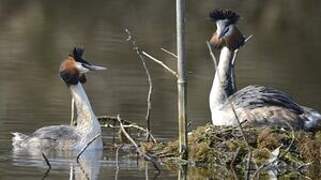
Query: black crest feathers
<point>77,55</point>
<point>219,14</point>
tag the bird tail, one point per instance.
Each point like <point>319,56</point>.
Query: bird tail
<point>18,139</point>
<point>313,119</point>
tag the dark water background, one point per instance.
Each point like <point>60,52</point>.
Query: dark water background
<point>35,36</point>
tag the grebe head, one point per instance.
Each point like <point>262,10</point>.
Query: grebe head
<point>73,68</point>
<point>226,33</point>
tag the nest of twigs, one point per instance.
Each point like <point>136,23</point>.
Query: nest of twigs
<point>222,152</point>
<point>223,149</point>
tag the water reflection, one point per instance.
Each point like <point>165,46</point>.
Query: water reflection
<point>87,168</point>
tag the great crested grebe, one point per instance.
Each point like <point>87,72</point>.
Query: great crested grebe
<point>258,105</point>
<point>65,137</point>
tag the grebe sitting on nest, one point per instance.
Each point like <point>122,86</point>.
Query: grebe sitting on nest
<point>257,105</point>
<point>65,137</point>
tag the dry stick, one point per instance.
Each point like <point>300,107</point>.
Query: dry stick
<point>149,79</point>
<point>117,155</point>
<point>233,161</point>
<point>257,172</point>
<point>71,172</point>
<point>83,170</point>
<point>248,164</point>
<point>46,159</point>
<point>234,112</point>
<point>48,164</point>
<point>160,63</point>
<point>113,119</point>
<point>237,50</point>
<point>141,129</point>
<point>117,163</point>
<point>169,52</point>
<point>86,146</point>
<point>139,151</point>
<point>233,64</point>
<point>128,124</point>
<point>146,171</point>
<point>72,123</point>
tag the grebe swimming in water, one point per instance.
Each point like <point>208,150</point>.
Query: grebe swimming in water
<point>65,137</point>
<point>256,104</point>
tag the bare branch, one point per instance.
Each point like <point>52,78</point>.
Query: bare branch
<point>160,63</point>
<point>234,57</point>
<point>72,118</point>
<point>248,38</point>
<point>112,119</point>
<point>233,83</point>
<point>86,146</point>
<point>71,172</point>
<point>271,162</point>
<point>139,151</point>
<point>48,164</point>
<point>149,79</point>
<point>212,54</point>
<point>233,161</point>
<point>83,173</point>
<point>141,129</point>
<point>46,160</point>
<point>248,163</point>
<point>126,124</point>
<point>169,52</point>
<point>237,50</point>
<point>117,161</point>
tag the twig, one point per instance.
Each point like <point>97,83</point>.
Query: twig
<point>48,164</point>
<point>45,175</point>
<point>126,124</point>
<point>292,139</point>
<point>117,155</point>
<point>117,161</point>
<point>248,38</point>
<point>182,172</point>
<point>72,117</point>
<point>71,172</point>
<point>146,171</point>
<point>113,119</point>
<point>86,146</point>
<point>233,109</point>
<point>141,129</point>
<point>267,164</point>
<point>248,164</point>
<point>83,171</point>
<point>233,161</point>
<point>233,82</point>
<point>160,63</point>
<point>212,55</point>
<point>237,50</point>
<point>139,151</point>
<point>168,52</point>
<point>46,160</point>
<point>149,79</point>
<point>234,157</point>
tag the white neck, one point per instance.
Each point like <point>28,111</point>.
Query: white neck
<point>87,123</point>
<point>220,86</point>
